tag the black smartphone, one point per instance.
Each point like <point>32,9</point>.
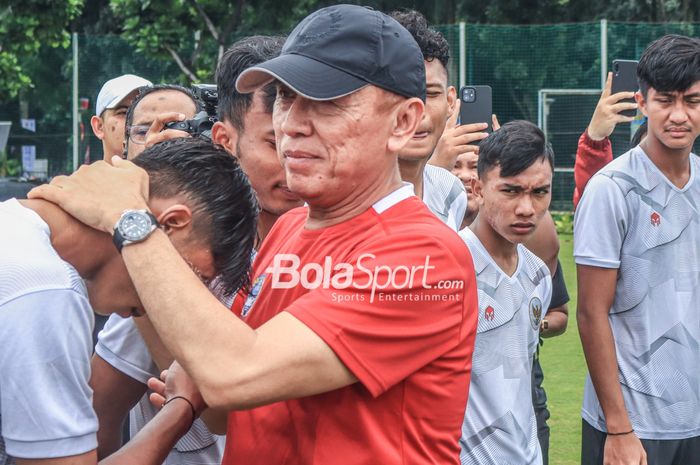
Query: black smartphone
<point>625,80</point>
<point>476,105</point>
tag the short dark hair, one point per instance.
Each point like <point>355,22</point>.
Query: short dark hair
<point>432,43</point>
<point>670,64</point>
<point>514,147</point>
<point>240,56</point>
<point>222,201</point>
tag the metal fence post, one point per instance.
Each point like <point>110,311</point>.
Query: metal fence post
<point>603,52</point>
<point>462,54</point>
<point>76,117</point>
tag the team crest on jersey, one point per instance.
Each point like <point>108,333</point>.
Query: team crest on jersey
<point>655,219</point>
<point>489,313</point>
<point>535,312</point>
<point>253,295</point>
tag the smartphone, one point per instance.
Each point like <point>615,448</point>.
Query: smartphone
<point>475,105</point>
<point>625,80</point>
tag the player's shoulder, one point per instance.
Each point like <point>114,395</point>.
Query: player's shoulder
<point>28,262</point>
<point>439,182</point>
<point>632,170</point>
<point>533,267</point>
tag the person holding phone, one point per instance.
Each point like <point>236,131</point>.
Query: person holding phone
<point>594,149</point>
<point>635,245</point>
<point>441,191</point>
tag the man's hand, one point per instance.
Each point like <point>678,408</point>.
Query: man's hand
<point>158,133</point>
<point>456,140</point>
<point>626,449</point>
<point>607,113</point>
<point>175,382</point>
<point>98,194</point>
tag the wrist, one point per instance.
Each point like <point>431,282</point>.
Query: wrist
<point>184,406</point>
<point>595,140</point>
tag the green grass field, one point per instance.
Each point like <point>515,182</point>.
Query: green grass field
<point>564,372</point>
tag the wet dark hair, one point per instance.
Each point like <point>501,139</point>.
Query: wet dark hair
<point>514,147</point>
<point>669,64</point>
<point>222,201</point>
<point>240,56</point>
<point>432,43</point>
<point>143,92</point>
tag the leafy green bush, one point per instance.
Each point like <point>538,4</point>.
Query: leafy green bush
<point>564,222</point>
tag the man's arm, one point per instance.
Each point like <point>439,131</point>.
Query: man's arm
<point>558,314</point>
<point>280,360</point>
<point>594,149</point>
<point>114,395</point>
<point>596,291</point>
<point>150,447</point>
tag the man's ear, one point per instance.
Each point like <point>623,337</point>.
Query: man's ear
<point>97,127</point>
<point>478,190</point>
<point>641,102</point>
<point>451,100</point>
<point>226,136</point>
<point>175,218</point>
<point>406,121</point>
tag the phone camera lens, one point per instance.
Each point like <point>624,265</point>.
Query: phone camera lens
<point>469,95</point>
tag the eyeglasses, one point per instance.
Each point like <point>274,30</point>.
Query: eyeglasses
<point>137,134</point>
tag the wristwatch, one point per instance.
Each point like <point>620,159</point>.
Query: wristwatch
<point>544,325</point>
<point>133,226</point>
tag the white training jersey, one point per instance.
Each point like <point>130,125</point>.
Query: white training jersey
<point>499,424</point>
<point>444,195</point>
<point>632,218</point>
<point>45,345</point>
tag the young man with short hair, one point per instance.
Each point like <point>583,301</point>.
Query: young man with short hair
<point>196,191</point>
<point>441,191</point>
<point>245,128</point>
<point>636,236</point>
<point>110,112</point>
<point>513,192</point>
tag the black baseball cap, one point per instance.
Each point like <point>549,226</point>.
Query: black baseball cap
<point>337,50</point>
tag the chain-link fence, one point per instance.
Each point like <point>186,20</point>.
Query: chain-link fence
<point>533,70</point>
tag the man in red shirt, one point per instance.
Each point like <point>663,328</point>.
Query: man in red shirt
<point>354,343</point>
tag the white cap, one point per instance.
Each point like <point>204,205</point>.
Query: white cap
<point>117,89</point>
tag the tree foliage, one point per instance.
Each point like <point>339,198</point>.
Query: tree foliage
<point>195,33</point>
<point>25,27</point>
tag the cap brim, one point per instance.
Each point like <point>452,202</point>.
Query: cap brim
<point>305,76</point>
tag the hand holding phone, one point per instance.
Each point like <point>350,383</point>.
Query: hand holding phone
<point>625,80</point>
<point>476,106</point>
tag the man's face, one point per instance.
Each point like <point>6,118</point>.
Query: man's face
<point>440,100</point>
<point>152,105</point>
<point>333,150</point>
<point>112,291</point>
<point>257,153</point>
<point>513,206</point>
<point>465,170</point>
<point>673,117</point>
<point>111,131</point>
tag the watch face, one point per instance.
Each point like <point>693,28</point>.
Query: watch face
<point>135,226</point>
